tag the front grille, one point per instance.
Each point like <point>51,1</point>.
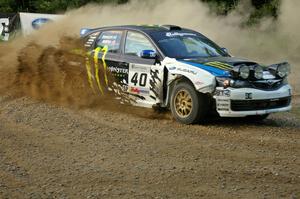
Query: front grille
<point>256,105</point>
<point>267,84</point>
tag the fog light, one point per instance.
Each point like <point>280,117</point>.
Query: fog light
<point>226,83</point>
<point>244,72</point>
<point>258,72</point>
<point>283,70</point>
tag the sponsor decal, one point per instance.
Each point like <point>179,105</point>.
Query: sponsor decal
<point>139,68</point>
<point>106,41</point>
<point>223,109</point>
<point>219,65</point>
<point>222,105</point>
<point>39,22</point>
<point>31,22</point>
<point>109,37</point>
<point>114,69</point>
<point>198,83</point>
<point>138,90</point>
<point>225,93</point>
<point>187,71</point>
<point>178,34</point>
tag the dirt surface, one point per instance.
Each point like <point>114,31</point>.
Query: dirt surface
<point>48,151</point>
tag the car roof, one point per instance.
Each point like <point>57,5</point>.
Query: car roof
<point>145,28</point>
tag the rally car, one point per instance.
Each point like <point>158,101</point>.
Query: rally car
<point>182,70</point>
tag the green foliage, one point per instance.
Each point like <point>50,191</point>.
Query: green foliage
<point>267,8</point>
<point>48,6</point>
<point>263,8</point>
<point>7,6</point>
<point>220,7</point>
<point>54,6</point>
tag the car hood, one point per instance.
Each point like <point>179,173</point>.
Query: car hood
<point>218,66</point>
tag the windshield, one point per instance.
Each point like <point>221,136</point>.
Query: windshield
<point>186,45</point>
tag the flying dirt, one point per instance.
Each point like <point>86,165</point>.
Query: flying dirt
<point>82,144</point>
<point>276,40</point>
<point>58,74</point>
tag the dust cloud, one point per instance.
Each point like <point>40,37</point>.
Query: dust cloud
<point>48,73</point>
<point>269,42</point>
<point>41,65</point>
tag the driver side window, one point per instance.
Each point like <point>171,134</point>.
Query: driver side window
<point>136,43</point>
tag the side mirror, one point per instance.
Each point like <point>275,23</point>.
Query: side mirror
<point>148,54</point>
<point>225,50</point>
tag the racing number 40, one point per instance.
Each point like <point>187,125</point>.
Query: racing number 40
<point>140,79</point>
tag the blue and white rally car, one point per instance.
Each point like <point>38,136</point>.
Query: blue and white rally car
<point>182,70</point>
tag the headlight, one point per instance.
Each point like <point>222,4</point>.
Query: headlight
<point>244,72</point>
<point>258,72</point>
<point>281,70</point>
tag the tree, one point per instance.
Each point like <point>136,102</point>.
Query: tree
<point>7,6</point>
<point>221,7</point>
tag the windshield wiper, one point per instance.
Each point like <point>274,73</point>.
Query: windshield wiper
<point>209,52</point>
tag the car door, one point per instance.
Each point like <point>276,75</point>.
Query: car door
<point>145,76</point>
<point>107,50</point>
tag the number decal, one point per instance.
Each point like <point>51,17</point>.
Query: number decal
<point>134,79</point>
<point>142,79</point>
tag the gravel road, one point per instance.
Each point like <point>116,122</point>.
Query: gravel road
<point>47,151</point>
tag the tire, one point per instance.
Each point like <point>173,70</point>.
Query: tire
<point>187,105</point>
<point>257,118</point>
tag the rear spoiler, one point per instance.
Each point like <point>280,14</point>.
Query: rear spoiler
<point>84,31</point>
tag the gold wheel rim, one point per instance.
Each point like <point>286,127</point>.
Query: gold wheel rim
<point>183,103</point>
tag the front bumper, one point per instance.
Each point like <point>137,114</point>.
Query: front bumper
<point>241,102</point>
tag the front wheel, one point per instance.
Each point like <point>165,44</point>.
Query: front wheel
<point>187,105</point>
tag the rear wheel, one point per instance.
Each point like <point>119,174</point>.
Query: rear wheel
<point>187,105</point>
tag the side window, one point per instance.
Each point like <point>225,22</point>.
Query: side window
<point>111,39</point>
<point>136,43</point>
